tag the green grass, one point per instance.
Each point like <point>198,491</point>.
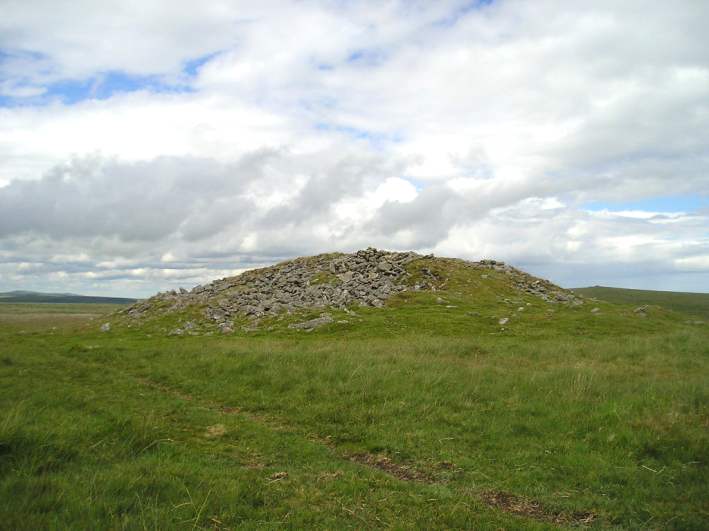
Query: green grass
<point>694,304</point>
<point>324,277</point>
<point>571,412</point>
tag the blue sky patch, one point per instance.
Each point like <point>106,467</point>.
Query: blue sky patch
<point>191,67</point>
<point>462,11</point>
<point>100,86</point>
<point>653,204</point>
<point>106,85</point>
<point>366,57</point>
<point>6,101</point>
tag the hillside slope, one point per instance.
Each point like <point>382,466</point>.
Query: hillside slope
<point>695,304</point>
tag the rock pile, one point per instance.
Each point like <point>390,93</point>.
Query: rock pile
<point>365,278</point>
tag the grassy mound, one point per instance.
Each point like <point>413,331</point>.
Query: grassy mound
<point>476,298</point>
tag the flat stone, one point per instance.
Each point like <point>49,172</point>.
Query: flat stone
<point>346,276</point>
<point>384,266</point>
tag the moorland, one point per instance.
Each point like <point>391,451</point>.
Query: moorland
<point>425,413</point>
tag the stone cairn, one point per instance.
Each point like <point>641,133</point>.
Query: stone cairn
<point>364,278</point>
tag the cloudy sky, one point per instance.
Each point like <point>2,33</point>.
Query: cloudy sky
<point>147,144</point>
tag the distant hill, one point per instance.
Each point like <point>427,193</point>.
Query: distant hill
<point>36,297</point>
<point>696,304</point>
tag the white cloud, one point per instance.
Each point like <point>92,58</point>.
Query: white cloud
<point>693,263</point>
<point>317,125</point>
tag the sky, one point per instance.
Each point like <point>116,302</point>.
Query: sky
<point>146,145</point>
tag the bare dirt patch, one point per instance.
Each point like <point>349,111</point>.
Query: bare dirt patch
<point>528,508</point>
<point>398,470</point>
<point>215,431</point>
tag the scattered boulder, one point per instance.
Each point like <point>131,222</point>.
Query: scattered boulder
<point>106,327</point>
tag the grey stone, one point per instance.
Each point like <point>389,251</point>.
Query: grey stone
<point>384,266</point>
<point>346,276</point>
<point>106,327</point>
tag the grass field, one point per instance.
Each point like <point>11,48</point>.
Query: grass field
<point>411,417</point>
